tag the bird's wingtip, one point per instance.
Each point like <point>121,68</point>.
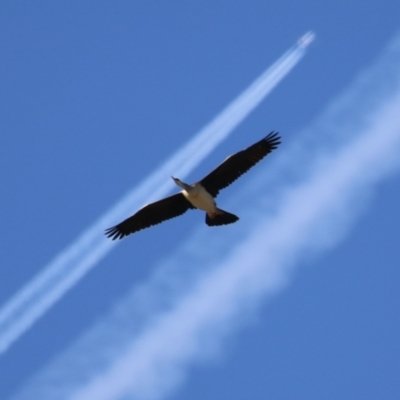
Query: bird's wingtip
<point>273,139</point>
<point>113,233</point>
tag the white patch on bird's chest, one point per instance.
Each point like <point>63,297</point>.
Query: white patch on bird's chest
<point>200,198</point>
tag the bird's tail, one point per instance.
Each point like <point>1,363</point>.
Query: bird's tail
<point>221,218</point>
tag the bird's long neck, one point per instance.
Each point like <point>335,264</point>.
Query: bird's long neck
<point>183,185</point>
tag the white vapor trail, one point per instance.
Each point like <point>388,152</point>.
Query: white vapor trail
<point>62,273</point>
<point>356,143</point>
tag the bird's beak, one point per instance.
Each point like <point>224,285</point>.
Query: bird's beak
<point>173,178</point>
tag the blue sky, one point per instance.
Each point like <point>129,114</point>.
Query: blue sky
<point>96,96</point>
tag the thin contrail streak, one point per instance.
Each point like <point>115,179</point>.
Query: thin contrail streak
<point>43,291</point>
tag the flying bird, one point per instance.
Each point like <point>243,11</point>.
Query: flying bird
<point>199,195</point>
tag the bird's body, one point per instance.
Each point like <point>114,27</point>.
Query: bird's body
<point>201,199</point>
<point>200,195</point>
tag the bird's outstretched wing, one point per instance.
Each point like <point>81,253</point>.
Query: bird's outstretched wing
<point>237,164</point>
<point>150,214</point>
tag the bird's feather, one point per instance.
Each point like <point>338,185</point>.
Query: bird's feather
<point>237,164</point>
<point>151,214</point>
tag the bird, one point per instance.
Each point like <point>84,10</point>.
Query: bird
<point>200,195</point>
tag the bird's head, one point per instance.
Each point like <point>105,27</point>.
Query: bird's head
<point>179,182</point>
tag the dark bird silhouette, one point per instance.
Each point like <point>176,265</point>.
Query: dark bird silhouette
<point>200,194</point>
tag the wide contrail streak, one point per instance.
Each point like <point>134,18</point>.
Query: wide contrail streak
<point>37,296</point>
<point>356,144</point>
<point>256,267</point>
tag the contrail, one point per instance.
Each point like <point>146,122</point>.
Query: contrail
<point>153,358</point>
<point>366,132</point>
<point>62,273</point>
